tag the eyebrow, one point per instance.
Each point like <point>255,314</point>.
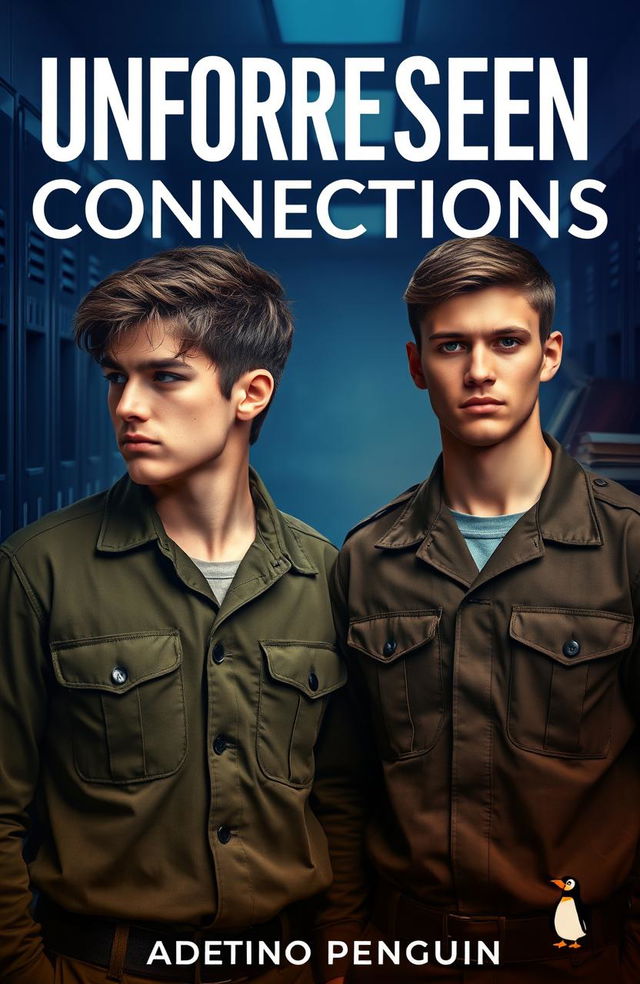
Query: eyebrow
<point>497,332</point>
<point>109,363</point>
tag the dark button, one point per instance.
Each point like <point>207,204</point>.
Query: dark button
<point>571,647</point>
<point>220,744</point>
<point>313,681</point>
<point>224,834</point>
<point>600,482</point>
<point>389,647</point>
<point>119,675</point>
<point>218,652</point>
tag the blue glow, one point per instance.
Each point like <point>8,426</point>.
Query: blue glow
<point>372,218</point>
<point>374,129</point>
<point>340,21</point>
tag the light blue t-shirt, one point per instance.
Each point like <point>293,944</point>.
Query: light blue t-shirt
<point>483,534</point>
<point>219,575</point>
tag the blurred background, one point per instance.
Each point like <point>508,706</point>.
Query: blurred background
<point>348,430</point>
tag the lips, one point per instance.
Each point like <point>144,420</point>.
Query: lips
<point>482,401</point>
<point>133,440</point>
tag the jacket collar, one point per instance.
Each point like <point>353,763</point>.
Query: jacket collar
<point>130,520</point>
<point>565,512</point>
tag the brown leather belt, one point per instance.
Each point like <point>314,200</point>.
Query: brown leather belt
<point>121,947</point>
<point>522,938</point>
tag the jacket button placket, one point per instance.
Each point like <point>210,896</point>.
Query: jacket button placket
<point>472,726</point>
<point>222,760</point>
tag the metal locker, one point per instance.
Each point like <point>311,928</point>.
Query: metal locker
<point>34,335</point>
<point>7,349</point>
<point>65,294</point>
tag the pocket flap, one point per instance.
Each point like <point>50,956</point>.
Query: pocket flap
<point>314,668</point>
<point>116,663</point>
<point>394,634</point>
<point>571,635</point>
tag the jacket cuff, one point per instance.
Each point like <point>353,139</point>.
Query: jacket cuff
<point>39,972</point>
<point>334,933</point>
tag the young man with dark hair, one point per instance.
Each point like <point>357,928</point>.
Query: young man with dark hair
<point>488,620</point>
<point>167,654</point>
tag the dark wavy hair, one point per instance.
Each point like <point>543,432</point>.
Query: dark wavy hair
<point>212,298</point>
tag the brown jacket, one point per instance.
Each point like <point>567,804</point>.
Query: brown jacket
<point>502,703</point>
<point>168,744</point>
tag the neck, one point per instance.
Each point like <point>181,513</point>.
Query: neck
<point>210,514</point>
<point>498,480</point>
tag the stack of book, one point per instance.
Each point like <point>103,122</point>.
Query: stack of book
<point>615,455</point>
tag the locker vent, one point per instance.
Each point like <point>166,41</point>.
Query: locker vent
<point>68,272</point>
<point>590,285</point>
<point>3,238</point>
<point>36,257</point>
<point>94,271</point>
<point>613,251</point>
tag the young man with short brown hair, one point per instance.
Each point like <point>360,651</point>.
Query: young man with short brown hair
<point>488,620</point>
<point>167,654</point>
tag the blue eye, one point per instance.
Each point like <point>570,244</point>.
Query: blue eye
<point>114,378</point>
<point>450,346</point>
<point>508,342</point>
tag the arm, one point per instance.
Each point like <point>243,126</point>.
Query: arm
<point>23,699</point>
<point>342,799</point>
<point>630,959</point>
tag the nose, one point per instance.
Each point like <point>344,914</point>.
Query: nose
<point>131,404</point>
<point>480,368</point>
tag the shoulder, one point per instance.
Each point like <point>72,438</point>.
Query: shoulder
<point>308,548</point>
<point>373,526</point>
<point>304,530</point>
<point>612,495</point>
<point>61,530</point>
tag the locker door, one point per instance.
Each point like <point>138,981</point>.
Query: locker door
<point>616,362</point>
<point>633,263</point>
<point>585,297</point>
<point>7,359</point>
<point>65,362</point>
<point>34,335</point>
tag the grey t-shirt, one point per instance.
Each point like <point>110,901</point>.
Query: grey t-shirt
<point>483,534</point>
<point>219,575</point>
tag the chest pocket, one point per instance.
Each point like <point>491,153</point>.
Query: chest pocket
<point>404,672</point>
<point>123,700</point>
<point>296,680</point>
<point>564,678</point>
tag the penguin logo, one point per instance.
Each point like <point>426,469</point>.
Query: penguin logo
<point>569,918</point>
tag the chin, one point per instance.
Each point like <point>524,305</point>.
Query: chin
<point>482,433</point>
<point>142,474</point>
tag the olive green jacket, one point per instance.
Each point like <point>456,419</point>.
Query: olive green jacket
<point>168,745</point>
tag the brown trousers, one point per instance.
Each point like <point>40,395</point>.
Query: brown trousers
<point>68,971</point>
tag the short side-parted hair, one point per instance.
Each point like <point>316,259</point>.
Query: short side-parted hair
<point>460,266</point>
<point>211,298</point>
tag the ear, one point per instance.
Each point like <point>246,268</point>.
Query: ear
<point>551,356</point>
<point>415,365</point>
<point>253,391</point>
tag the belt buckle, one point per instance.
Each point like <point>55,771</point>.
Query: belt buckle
<point>500,923</point>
